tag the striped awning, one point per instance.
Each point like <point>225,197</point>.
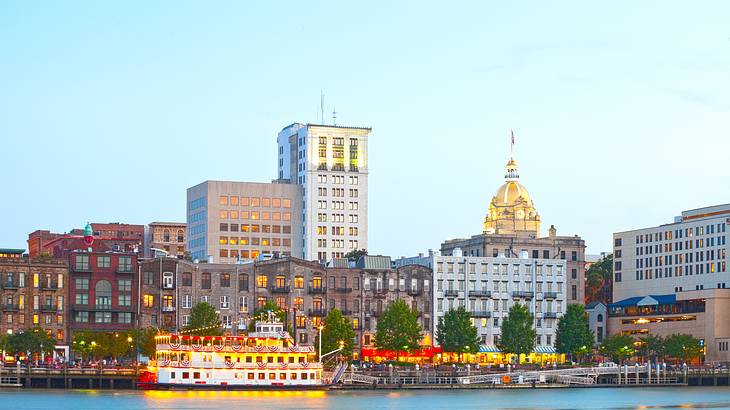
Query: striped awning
<point>545,350</point>
<point>489,349</point>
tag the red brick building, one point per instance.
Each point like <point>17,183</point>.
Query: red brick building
<point>103,291</point>
<point>108,237</point>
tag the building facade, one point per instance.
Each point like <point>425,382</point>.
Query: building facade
<point>673,278</point>
<point>103,291</point>
<point>230,221</point>
<point>330,163</point>
<point>512,226</point>
<point>33,294</point>
<point>597,320</point>
<point>489,286</point>
<point>165,236</point>
<point>108,237</point>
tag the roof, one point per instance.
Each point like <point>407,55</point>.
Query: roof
<point>338,263</point>
<point>12,251</point>
<point>650,300</point>
<point>593,305</point>
<point>374,262</point>
<point>182,224</point>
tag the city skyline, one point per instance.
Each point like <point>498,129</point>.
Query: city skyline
<point>122,136</point>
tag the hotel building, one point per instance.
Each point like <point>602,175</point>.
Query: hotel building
<point>673,278</point>
<point>231,221</point>
<point>330,163</point>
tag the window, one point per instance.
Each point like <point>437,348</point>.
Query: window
<point>187,301</point>
<point>149,301</point>
<point>243,304</point>
<point>149,278</point>
<point>103,290</point>
<point>103,317</point>
<point>225,302</point>
<point>124,285</point>
<point>125,300</point>
<point>103,261</point>
<point>225,280</point>
<point>243,281</point>
<point>82,262</point>
<point>124,317</point>
<point>125,264</point>
<point>82,284</point>
<point>261,281</point>
<point>187,279</point>
<point>81,317</point>
<point>205,280</point>
<point>167,280</point>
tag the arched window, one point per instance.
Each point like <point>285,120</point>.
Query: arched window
<point>103,291</point>
<point>180,238</point>
<point>166,235</point>
<point>600,318</point>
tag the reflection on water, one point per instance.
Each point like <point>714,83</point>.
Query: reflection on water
<point>563,399</point>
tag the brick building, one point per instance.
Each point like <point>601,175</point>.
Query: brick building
<point>166,236</point>
<point>102,291</point>
<point>108,237</point>
<point>33,294</point>
<point>306,290</point>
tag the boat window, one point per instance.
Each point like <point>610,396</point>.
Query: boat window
<point>186,375</point>
<point>196,375</point>
<point>272,376</point>
<point>304,376</point>
<point>294,376</point>
<point>172,375</point>
<point>282,376</point>
<point>250,376</point>
<point>262,376</point>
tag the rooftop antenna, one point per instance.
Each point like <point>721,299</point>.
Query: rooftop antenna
<point>321,106</point>
<point>334,116</point>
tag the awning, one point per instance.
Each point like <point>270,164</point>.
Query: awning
<point>649,300</point>
<point>489,349</point>
<point>545,350</point>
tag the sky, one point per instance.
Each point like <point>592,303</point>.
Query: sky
<point>109,111</point>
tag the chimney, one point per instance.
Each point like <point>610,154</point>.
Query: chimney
<point>552,232</point>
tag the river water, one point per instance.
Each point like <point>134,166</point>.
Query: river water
<point>574,398</point>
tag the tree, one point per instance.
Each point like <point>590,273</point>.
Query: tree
<point>456,333</point>
<point>599,280</point>
<point>618,347</point>
<point>574,336</point>
<point>683,346</point>
<point>398,329</point>
<point>262,314</point>
<point>652,347</point>
<point>145,341</point>
<point>34,340</point>
<point>355,254</point>
<point>4,342</point>
<point>518,333</point>
<point>204,321</point>
<point>337,328</point>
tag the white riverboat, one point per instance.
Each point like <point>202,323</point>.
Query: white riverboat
<point>266,358</point>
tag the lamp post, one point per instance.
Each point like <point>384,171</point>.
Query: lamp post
<point>320,343</point>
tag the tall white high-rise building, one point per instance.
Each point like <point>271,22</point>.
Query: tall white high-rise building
<point>330,163</point>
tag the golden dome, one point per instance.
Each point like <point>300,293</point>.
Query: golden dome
<point>510,193</point>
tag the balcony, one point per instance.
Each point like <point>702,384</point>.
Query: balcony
<point>103,307</point>
<point>10,307</point>
<point>550,315</point>
<point>168,308</point>
<point>48,308</point>
<point>322,167</point>
<point>316,290</point>
<point>317,312</point>
<point>343,290</point>
<point>280,289</point>
<point>48,287</point>
<point>481,313</point>
<point>415,292</point>
<point>346,312</point>
<point>451,293</point>
<point>10,286</point>
<point>550,295</point>
<point>380,292</point>
<point>480,293</point>
<point>124,269</point>
<point>523,294</point>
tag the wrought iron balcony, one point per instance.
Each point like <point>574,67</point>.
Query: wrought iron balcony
<point>415,292</point>
<point>317,312</point>
<point>550,315</point>
<point>48,308</point>
<point>343,290</point>
<point>10,286</point>
<point>451,293</point>
<point>280,289</point>
<point>550,295</point>
<point>317,289</point>
<point>480,293</point>
<point>168,308</point>
<point>523,294</point>
<point>481,313</point>
<point>10,307</point>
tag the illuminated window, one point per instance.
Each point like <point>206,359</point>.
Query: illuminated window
<point>245,214</point>
<point>255,228</point>
<point>244,201</point>
<point>264,242</point>
<point>223,214</point>
<point>223,200</point>
<point>149,301</point>
<point>234,214</point>
<point>286,203</point>
<point>243,241</point>
<point>262,281</point>
<point>276,203</point>
<point>223,240</point>
<point>254,215</point>
<point>286,216</point>
<point>224,253</point>
<point>254,254</point>
<point>234,200</point>
<point>255,201</point>
<point>265,215</point>
<point>232,240</point>
<point>35,319</point>
<point>266,202</point>
<point>245,228</point>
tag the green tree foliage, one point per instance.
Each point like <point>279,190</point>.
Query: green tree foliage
<point>204,321</point>
<point>4,342</point>
<point>518,331</point>
<point>398,329</point>
<point>456,333</point>
<point>618,347</point>
<point>32,340</point>
<point>574,336</point>
<point>599,277</point>
<point>683,347</point>
<point>262,314</point>
<point>355,254</point>
<point>145,340</point>
<point>337,328</point>
<point>652,347</point>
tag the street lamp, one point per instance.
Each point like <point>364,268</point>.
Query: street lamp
<point>320,342</point>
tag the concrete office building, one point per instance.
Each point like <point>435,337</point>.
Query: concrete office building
<point>512,225</point>
<point>231,221</point>
<point>673,278</point>
<point>330,163</point>
<point>488,286</point>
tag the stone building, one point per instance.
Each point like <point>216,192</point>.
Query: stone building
<point>165,236</point>
<point>33,294</point>
<point>512,226</point>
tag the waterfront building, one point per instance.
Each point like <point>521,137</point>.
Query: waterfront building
<point>488,287</point>
<point>33,294</point>
<point>165,236</point>
<point>231,221</point>
<point>673,278</point>
<point>102,291</point>
<point>108,237</point>
<point>330,163</point>
<point>512,226</point>
<point>597,319</point>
